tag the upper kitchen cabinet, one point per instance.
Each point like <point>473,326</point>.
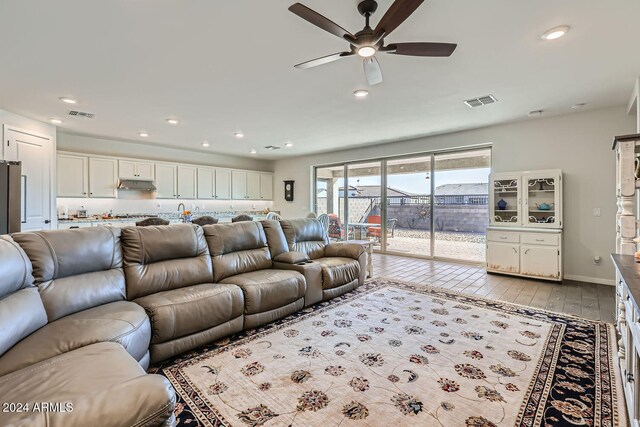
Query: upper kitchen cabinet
<point>187,179</point>
<point>73,176</point>
<point>166,182</point>
<point>239,185</point>
<point>103,177</point>
<point>266,186</point>
<point>132,169</point>
<point>251,185</point>
<point>223,184</point>
<point>206,183</point>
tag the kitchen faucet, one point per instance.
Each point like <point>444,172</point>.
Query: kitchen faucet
<point>183,208</point>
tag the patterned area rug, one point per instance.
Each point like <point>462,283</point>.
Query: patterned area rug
<point>397,354</point>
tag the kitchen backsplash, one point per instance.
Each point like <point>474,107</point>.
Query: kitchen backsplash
<point>157,206</point>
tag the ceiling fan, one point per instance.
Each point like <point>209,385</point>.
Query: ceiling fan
<point>367,42</point>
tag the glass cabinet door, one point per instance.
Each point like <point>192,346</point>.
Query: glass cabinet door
<point>542,201</point>
<point>505,200</point>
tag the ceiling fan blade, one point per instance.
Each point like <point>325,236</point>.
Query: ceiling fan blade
<point>323,60</point>
<point>399,11</point>
<point>421,49</point>
<point>372,71</point>
<point>320,21</point>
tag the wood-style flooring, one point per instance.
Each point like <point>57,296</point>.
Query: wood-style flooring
<point>588,300</point>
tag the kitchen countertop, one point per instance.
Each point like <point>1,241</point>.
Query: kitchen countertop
<point>221,216</point>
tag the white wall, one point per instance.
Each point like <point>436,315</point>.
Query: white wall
<point>111,147</point>
<point>579,144</point>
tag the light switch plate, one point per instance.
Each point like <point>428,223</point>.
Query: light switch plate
<point>596,211</point>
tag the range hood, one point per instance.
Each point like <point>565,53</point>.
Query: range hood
<point>136,184</point>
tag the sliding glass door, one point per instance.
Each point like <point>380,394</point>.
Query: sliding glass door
<point>425,205</point>
<point>460,211</point>
<point>408,207</point>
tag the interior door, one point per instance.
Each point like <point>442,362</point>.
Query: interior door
<point>35,154</point>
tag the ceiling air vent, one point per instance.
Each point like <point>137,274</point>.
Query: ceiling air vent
<point>81,114</point>
<point>272,147</point>
<point>480,101</point>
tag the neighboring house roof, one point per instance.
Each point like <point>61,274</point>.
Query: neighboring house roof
<point>374,191</point>
<point>462,189</point>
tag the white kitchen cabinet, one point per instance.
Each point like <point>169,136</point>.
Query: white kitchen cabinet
<point>253,186</point>
<point>103,177</point>
<point>223,184</point>
<point>166,182</point>
<point>72,176</point>
<point>187,179</point>
<point>526,199</point>
<point>525,252</point>
<point>132,169</point>
<point>540,261</point>
<point>266,186</point>
<point>503,257</point>
<point>239,185</point>
<point>206,183</point>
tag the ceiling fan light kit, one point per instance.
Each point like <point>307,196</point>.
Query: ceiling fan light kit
<point>367,42</point>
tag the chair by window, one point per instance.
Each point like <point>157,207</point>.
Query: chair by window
<point>152,221</point>
<point>274,216</point>
<point>241,218</point>
<point>204,220</point>
<point>377,231</point>
<point>336,229</point>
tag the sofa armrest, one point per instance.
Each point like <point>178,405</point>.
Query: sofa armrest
<point>344,250</point>
<point>291,257</point>
<point>312,273</point>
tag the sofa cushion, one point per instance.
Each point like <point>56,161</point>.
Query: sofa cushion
<point>75,269</point>
<point>266,290</point>
<point>123,322</point>
<point>21,309</point>
<point>237,248</point>
<point>337,271</point>
<point>102,384</point>
<point>305,235</point>
<point>192,309</point>
<point>161,258</point>
<point>276,240</point>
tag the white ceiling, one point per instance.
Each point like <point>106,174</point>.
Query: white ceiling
<point>226,66</point>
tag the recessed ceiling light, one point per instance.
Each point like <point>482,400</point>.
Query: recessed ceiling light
<point>253,151</point>
<point>238,134</point>
<point>68,100</point>
<point>535,113</point>
<point>366,51</point>
<point>205,144</point>
<point>143,134</point>
<point>556,33</point>
<point>55,121</point>
<point>361,93</point>
<point>173,121</point>
<point>288,144</point>
<point>578,106</point>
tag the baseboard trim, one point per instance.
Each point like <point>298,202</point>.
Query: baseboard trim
<point>610,282</point>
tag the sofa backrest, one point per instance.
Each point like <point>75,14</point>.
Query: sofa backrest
<point>305,235</point>
<point>276,241</point>
<point>237,248</point>
<point>75,269</point>
<point>21,309</point>
<point>164,257</point>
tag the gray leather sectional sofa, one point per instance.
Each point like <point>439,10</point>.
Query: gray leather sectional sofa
<point>84,312</point>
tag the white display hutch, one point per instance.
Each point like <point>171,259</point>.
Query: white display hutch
<point>524,237</point>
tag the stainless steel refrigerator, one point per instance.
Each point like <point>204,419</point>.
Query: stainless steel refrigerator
<point>10,195</point>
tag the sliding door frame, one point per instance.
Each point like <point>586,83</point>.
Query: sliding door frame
<point>383,195</point>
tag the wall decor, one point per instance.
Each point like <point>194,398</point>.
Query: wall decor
<point>288,191</point>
